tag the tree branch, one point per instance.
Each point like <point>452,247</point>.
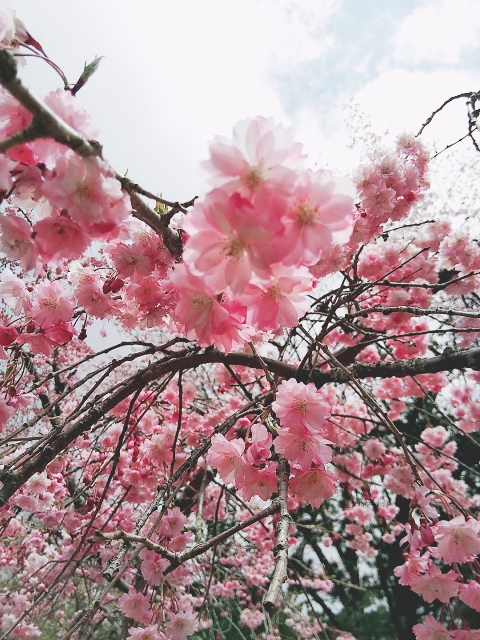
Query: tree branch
<point>281,544</point>
<point>449,360</point>
<point>46,124</point>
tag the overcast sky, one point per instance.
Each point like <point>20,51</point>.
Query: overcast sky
<point>176,73</point>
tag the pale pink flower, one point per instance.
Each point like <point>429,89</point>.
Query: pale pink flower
<point>53,304</point>
<point>145,633</point>
<point>226,456</point>
<point>17,242</point>
<point>136,606</point>
<point>313,486</point>
<point>59,238</point>
<point>172,523</point>
<point>320,213</point>
<point>6,412</point>
<point>298,403</point>
<point>65,105</point>
<point>435,436</point>
<point>435,585</point>
<point>458,540</point>
<point>13,116</point>
<point>152,567</point>
<point>279,301</point>
<point>84,187</point>
<point>182,624</point>
<point>431,630</point>
<point>14,292</point>
<point>374,449</point>
<point>470,594</point>
<point>261,154</point>
<point>302,446</point>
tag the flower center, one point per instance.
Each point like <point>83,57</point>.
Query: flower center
<point>304,214</point>
<point>301,405</point>
<point>456,537</point>
<point>234,247</point>
<point>84,190</point>
<point>201,302</point>
<point>252,178</point>
<point>304,445</point>
<point>274,292</point>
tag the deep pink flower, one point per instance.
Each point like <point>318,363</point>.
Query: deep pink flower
<point>259,449</point>
<point>205,318</point>
<point>60,238</point>
<point>313,486</point>
<point>258,482</point>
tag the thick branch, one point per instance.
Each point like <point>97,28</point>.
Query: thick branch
<point>281,544</point>
<point>177,558</point>
<point>46,124</point>
<point>449,360</point>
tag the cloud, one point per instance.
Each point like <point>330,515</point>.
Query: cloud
<point>438,32</point>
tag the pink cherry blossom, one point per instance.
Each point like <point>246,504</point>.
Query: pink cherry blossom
<point>259,449</point>
<point>14,292</point>
<point>458,540</point>
<point>135,605</point>
<point>53,304</point>
<point>226,456</point>
<point>279,301</point>
<point>182,624</point>
<point>258,482</point>
<point>320,213</point>
<point>435,585</point>
<point>431,630</point>
<point>298,403</point>
<point>229,238</point>
<point>17,242</point>
<point>60,237</point>
<point>172,523</point>
<point>314,486</point>
<point>261,154</point>
<point>84,187</point>
<point>145,633</point>
<point>470,594</point>
<point>205,318</point>
<point>302,446</point>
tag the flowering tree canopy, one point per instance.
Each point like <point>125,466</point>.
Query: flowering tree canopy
<point>284,442</point>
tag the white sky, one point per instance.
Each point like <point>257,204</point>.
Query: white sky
<point>176,73</point>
